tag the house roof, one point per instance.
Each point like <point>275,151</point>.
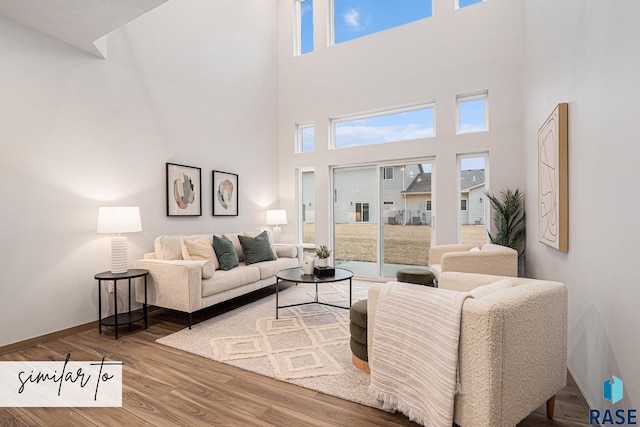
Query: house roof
<point>421,184</point>
<point>468,179</point>
<point>471,178</point>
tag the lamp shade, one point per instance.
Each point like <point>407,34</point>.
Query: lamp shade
<point>276,217</point>
<point>119,219</point>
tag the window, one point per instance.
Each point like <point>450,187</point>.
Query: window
<point>305,138</point>
<point>352,19</point>
<point>463,205</point>
<point>389,126</point>
<point>362,212</point>
<point>427,205</point>
<point>307,206</point>
<point>465,3</point>
<point>388,173</point>
<point>304,27</point>
<point>472,113</point>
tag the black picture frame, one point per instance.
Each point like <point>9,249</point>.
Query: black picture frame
<point>184,190</point>
<point>225,192</point>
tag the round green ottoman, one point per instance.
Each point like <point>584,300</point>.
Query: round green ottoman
<point>358,329</point>
<point>418,276</point>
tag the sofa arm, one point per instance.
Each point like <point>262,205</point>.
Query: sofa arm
<point>284,250</point>
<point>172,284</point>
<point>436,252</point>
<point>499,263</point>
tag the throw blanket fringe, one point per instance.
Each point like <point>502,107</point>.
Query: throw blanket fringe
<point>414,354</point>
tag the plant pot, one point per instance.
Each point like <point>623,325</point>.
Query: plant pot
<point>321,262</point>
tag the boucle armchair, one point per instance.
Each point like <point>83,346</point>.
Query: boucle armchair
<point>468,258</point>
<point>512,351</point>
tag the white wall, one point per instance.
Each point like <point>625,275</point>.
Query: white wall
<point>586,54</point>
<point>192,82</point>
<point>453,52</point>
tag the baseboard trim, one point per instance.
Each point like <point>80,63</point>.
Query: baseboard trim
<point>21,345</point>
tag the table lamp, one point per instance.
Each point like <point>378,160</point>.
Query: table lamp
<point>119,220</point>
<point>276,218</point>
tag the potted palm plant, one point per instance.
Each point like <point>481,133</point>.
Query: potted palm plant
<point>509,222</point>
<point>323,253</point>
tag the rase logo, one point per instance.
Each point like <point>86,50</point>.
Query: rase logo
<point>613,391</point>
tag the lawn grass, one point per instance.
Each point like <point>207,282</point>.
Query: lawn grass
<point>403,244</point>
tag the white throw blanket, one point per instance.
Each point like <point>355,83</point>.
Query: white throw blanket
<point>414,356</point>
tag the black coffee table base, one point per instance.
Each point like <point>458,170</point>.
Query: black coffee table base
<point>296,275</point>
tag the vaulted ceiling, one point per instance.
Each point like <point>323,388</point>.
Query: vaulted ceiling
<point>80,23</point>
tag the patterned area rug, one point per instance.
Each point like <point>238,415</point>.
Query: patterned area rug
<point>308,345</point>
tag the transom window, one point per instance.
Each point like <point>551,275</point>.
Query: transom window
<point>305,137</point>
<point>465,3</point>
<point>352,19</point>
<point>472,113</point>
<point>304,27</point>
<point>380,128</point>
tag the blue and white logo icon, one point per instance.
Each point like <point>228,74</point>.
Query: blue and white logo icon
<point>612,389</point>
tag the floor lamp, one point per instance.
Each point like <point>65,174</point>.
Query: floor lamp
<point>117,220</point>
<point>276,218</point>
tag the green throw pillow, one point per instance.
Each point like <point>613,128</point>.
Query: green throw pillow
<point>226,253</point>
<point>256,249</point>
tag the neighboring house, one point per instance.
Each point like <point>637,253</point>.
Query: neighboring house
<point>472,188</point>
<point>355,198</point>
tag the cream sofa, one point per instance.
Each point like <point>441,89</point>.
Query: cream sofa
<point>190,286</point>
<point>467,258</point>
<point>513,348</point>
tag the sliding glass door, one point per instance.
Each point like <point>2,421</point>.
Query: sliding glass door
<point>382,217</point>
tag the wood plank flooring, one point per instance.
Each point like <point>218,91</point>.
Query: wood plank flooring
<point>163,386</point>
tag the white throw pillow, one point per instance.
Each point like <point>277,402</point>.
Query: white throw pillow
<point>199,250</point>
<point>474,249</point>
<point>483,291</point>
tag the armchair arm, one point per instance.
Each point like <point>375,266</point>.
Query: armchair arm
<point>513,347</point>
<point>172,284</point>
<point>499,263</point>
<point>436,252</point>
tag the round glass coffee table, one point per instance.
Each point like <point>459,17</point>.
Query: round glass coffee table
<point>296,275</point>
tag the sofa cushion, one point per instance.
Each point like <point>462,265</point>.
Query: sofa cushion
<point>234,278</point>
<point>199,250</point>
<point>225,252</point>
<point>256,249</point>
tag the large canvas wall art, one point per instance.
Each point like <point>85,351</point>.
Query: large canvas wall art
<point>553,180</point>
<point>225,194</point>
<point>184,190</point>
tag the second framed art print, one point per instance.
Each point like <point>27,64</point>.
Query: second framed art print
<point>225,194</point>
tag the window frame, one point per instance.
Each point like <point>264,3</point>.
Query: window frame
<point>474,96</point>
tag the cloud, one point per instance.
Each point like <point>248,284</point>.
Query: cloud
<point>350,135</point>
<point>351,17</point>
